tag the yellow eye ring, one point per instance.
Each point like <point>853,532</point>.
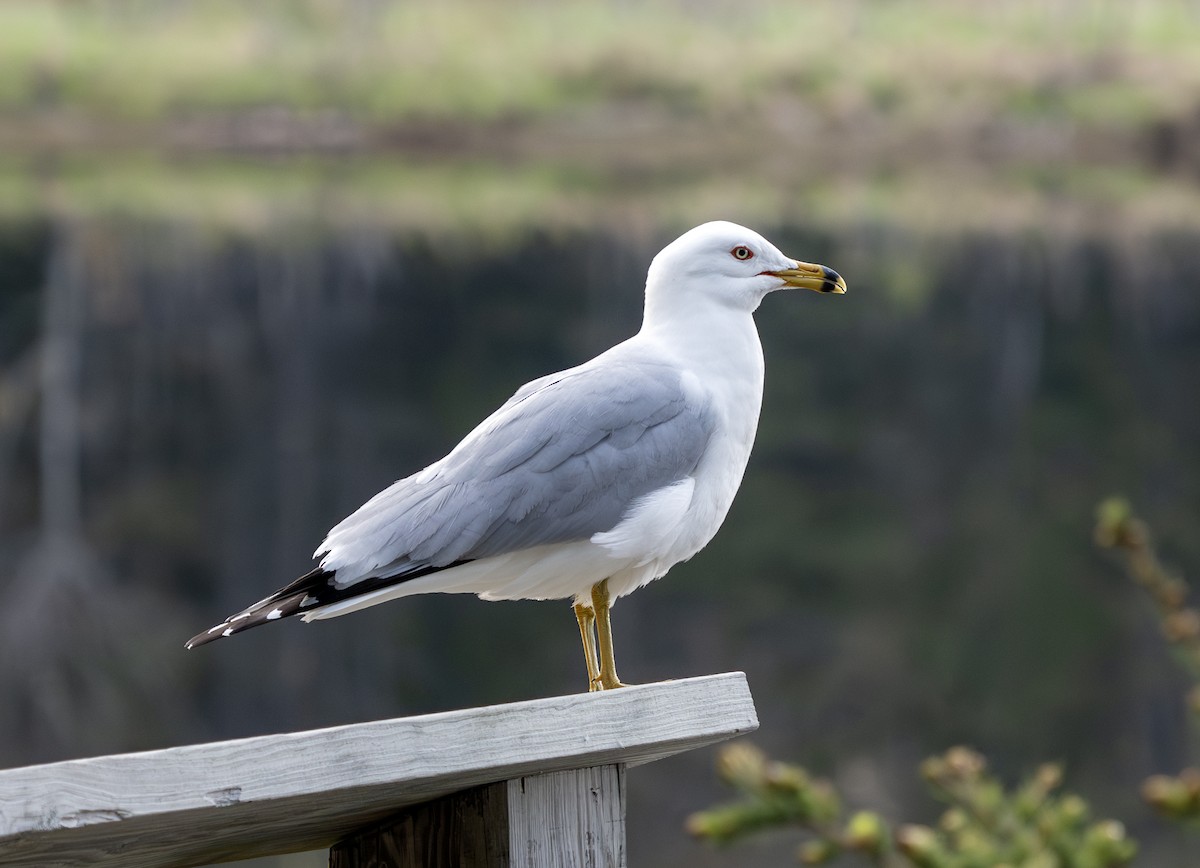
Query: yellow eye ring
<point>742,253</point>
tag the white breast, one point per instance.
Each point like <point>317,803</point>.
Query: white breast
<point>675,522</point>
<point>719,473</point>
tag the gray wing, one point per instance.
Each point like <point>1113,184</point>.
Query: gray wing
<point>562,460</point>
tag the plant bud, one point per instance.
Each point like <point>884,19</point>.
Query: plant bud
<point>865,831</point>
<point>1112,515</point>
<point>822,801</point>
<point>1182,625</point>
<point>954,821</point>
<point>919,843</point>
<point>1073,809</point>
<point>933,769</point>
<point>1167,794</point>
<point>716,825</point>
<point>965,762</point>
<point>1107,840</point>
<point>1190,778</point>
<point>975,843</point>
<point>1048,776</point>
<point>741,764</point>
<point>1172,592</point>
<point>784,779</point>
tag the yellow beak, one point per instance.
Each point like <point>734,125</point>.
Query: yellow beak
<point>815,277</point>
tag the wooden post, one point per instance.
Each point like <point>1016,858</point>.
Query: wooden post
<point>567,819</point>
<point>552,768</point>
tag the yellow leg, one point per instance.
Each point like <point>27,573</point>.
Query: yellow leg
<point>608,666</point>
<point>587,618</point>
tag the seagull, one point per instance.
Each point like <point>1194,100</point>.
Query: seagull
<point>589,483</point>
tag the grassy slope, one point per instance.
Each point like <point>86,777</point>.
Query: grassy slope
<point>552,109</point>
<point>1096,62</point>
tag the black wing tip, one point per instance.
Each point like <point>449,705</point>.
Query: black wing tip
<point>255,616</point>
<point>210,635</point>
<point>308,593</point>
<point>282,604</point>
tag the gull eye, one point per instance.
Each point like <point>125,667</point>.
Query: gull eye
<point>742,252</point>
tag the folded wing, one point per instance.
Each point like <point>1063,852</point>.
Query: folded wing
<point>562,460</point>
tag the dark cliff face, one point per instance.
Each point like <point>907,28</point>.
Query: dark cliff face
<point>183,415</point>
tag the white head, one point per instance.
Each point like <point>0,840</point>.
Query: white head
<point>729,266</point>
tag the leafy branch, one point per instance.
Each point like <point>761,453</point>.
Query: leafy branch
<point>984,825</point>
<point>1120,531</point>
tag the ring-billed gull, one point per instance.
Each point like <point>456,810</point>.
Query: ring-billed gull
<point>588,483</point>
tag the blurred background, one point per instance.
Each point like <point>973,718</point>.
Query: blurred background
<point>259,260</point>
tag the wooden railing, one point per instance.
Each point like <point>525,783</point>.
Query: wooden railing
<point>538,783</point>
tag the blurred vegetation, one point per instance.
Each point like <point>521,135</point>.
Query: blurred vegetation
<point>1118,529</point>
<point>535,114</point>
<point>301,197</point>
<point>928,63</point>
<point>302,247</point>
<point>907,565</point>
<point>984,826</point>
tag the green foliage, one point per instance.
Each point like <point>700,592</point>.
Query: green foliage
<point>983,826</point>
<point>1120,531</point>
<point>911,66</point>
<point>532,113</point>
<point>775,794</point>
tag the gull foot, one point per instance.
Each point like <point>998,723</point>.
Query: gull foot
<point>602,683</point>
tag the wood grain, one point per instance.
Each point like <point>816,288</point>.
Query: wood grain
<point>572,819</point>
<point>297,791</point>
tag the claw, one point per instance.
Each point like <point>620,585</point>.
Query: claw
<point>602,668</point>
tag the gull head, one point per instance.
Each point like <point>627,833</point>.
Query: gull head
<point>731,266</point>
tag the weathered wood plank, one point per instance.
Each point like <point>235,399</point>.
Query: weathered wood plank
<point>571,819</point>
<point>298,791</point>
